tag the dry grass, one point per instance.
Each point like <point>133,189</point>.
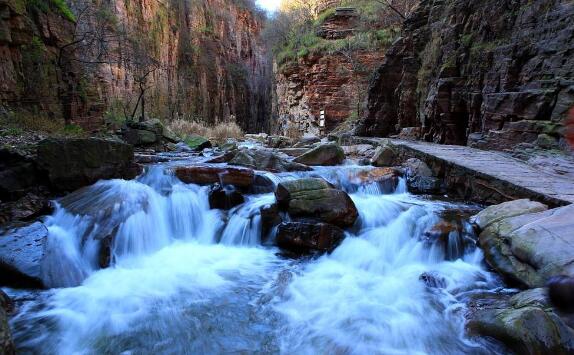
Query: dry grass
<point>218,133</point>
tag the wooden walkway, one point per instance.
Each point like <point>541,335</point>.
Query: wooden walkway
<point>500,167</point>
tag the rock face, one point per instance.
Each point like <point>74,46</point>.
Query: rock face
<point>321,83</point>
<point>206,175</point>
<point>213,64</point>
<point>304,236</point>
<point>525,323</point>
<point>316,198</point>
<point>486,73</point>
<point>529,249</point>
<point>324,154</point>
<point>21,253</point>
<point>73,163</point>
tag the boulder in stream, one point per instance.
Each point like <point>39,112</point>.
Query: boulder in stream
<point>266,159</point>
<point>224,197</point>
<point>316,198</point>
<point>524,322</point>
<point>324,154</point>
<point>384,156</point>
<point>306,236</point>
<point>420,178</point>
<point>21,253</point>
<point>207,175</point>
<point>529,249</point>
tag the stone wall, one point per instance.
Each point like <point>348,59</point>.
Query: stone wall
<point>490,74</point>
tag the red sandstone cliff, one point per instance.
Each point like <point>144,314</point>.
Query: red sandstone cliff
<point>212,65</point>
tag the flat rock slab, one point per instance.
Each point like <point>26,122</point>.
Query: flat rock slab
<point>21,253</point>
<point>497,177</point>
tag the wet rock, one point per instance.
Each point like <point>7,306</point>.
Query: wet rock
<point>497,213</point>
<point>6,343</point>
<point>21,253</point>
<point>270,218</point>
<point>420,178</point>
<point>262,185</point>
<point>432,280</point>
<point>561,292</point>
<point>316,198</point>
<point>525,323</point>
<point>324,154</point>
<point>6,303</point>
<point>224,198</point>
<point>265,159</point>
<point>207,175</point>
<point>384,156</point>
<point>73,163</point>
<point>197,143</point>
<point>386,178</point>
<point>226,157</point>
<point>531,248</point>
<point>305,236</point>
<point>105,256</point>
<point>27,208</point>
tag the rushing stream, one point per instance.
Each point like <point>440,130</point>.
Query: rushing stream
<point>187,279</point>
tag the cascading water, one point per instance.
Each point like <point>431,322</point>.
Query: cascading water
<point>187,279</point>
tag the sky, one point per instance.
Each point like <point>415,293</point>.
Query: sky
<point>269,5</point>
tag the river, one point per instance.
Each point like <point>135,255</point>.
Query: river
<point>189,280</point>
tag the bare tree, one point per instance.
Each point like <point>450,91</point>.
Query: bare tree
<point>143,66</point>
<point>403,8</point>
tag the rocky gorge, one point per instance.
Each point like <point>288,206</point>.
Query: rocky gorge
<point>431,214</point>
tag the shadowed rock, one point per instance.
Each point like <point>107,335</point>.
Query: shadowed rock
<point>305,236</point>
<point>206,175</point>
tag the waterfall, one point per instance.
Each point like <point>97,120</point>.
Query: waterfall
<point>187,279</point>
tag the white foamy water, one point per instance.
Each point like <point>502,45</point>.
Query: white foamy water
<point>188,280</point>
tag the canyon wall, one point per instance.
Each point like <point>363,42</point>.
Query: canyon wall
<point>331,76</point>
<point>201,60</point>
<point>491,74</point>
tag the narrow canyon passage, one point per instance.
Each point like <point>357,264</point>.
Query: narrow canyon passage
<point>185,281</point>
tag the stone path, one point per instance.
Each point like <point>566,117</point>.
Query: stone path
<point>513,175</point>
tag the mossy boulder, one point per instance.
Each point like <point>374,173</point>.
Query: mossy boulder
<point>316,198</point>
<point>325,155</point>
<point>197,143</point>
